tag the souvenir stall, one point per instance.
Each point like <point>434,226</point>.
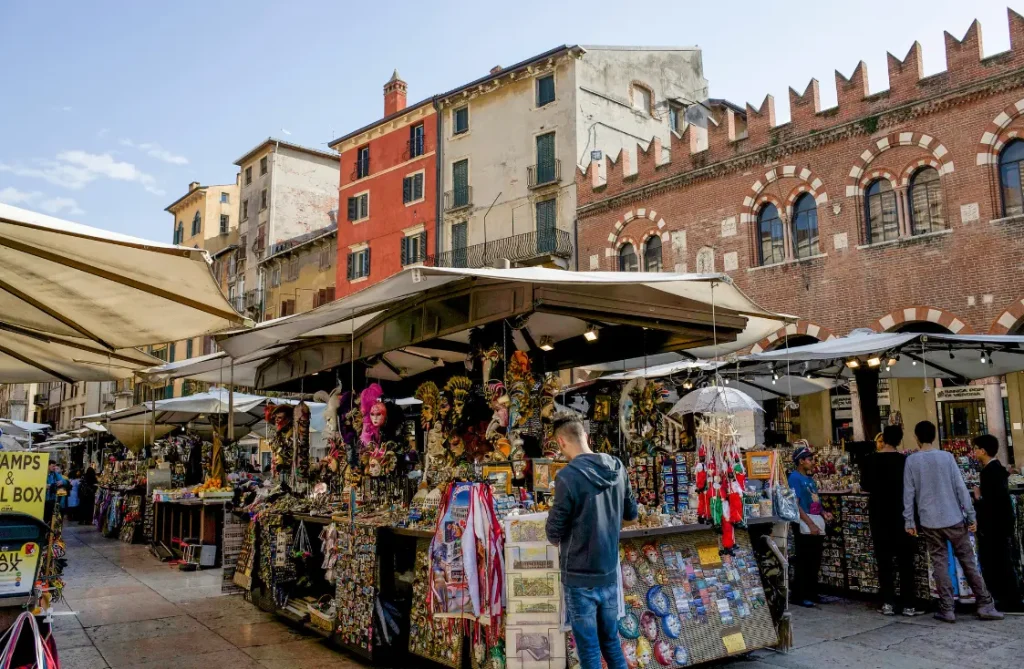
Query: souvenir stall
<point>120,499</point>
<point>397,536</point>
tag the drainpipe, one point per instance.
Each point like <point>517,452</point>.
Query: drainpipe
<point>438,178</point>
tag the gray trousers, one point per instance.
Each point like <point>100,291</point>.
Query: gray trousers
<point>935,540</point>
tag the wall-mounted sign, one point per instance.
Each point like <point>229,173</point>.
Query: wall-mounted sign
<point>959,393</point>
<point>596,155</point>
<point>23,482</point>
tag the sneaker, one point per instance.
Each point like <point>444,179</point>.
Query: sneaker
<point>911,612</point>
<point>947,617</point>
<point>808,604</point>
<point>887,610</point>
<point>989,613</point>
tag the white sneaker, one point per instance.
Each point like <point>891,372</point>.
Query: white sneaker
<point>910,613</point>
<point>887,610</point>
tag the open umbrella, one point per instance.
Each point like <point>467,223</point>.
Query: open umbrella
<point>97,291</point>
<point>715,399</point>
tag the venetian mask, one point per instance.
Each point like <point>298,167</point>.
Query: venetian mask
<point>378,414</point>
<point>444,406</point>
<point>651,553</point>
<point>673,627</point>
<point>456,445</point>
<point>629,651</point>
<point>680,655</point>
<point>643,652</point>
<point>649,625</point>
<point>631,554</point>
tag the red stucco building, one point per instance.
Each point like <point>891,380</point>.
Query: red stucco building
<point>387,196</point>
<point>901,209</point>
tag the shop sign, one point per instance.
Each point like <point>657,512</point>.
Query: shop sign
<point>840,402</point>
<point>23,482</point>
<point>18,569</point>
<point>959,393</point>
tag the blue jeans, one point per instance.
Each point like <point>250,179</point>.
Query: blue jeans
<point>594,615</point>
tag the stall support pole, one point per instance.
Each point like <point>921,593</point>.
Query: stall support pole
<point>231,403</point>
<point>867,392</point>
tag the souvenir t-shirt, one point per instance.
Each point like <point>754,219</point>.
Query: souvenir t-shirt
<point>806,493</point>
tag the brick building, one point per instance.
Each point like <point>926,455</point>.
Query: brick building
<point>900,209</point>
<point>388,191</point>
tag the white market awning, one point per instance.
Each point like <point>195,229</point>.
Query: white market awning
<point>212,368</point>
<point>347,314</point>
<point>32,357</point>
<point>72,280</point>
<point>10,426</point>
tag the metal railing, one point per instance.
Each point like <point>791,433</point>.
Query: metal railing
<point>515,249</point>
<point>414,148</point>
<point>458,198</point>
<point>254,299</point>
<point>237,303</point>
<point>41,399</point>
<point>545,173</point>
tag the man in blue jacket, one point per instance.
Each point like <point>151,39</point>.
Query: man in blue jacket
<point>592,498</point>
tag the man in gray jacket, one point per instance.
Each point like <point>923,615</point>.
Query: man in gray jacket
<point>934,489</point>
<point>592,498</point>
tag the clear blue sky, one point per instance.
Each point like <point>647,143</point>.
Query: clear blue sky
<point>109,109</point>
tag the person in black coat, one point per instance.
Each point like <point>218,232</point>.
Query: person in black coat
<point>996,526</point>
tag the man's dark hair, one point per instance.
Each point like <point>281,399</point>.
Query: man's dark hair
<point>987,443</point>
<point>568,425</point>
<point>925,431</point>
<point>892,435</point>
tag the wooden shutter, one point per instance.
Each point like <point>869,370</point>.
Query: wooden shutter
<point>330,293</point>
<point>367,261</point>
<point>407,189</point>
<point>350,266</point>
<point>353,208</point>
<point>417,190</point>
<point>423,247</point>
<point>460,175</point>
<point>546,149</point>
<point>405,251</point>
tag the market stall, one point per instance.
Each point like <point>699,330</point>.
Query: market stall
<point>369,555</point>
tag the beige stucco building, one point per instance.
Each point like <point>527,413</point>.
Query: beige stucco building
<point>512,140</point>
<point>300,273</point>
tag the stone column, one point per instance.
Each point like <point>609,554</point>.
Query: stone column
<point>995,419</point>
<point>858,421</point>
<point>901,211</point>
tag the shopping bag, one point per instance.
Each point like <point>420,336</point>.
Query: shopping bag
<point>45,650</point>
<point>784,504</point>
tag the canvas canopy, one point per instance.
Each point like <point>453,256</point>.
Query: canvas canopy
<point>343,316</point>
<point>71,280</point>
<point>213,368</point>
<point>914,355</point>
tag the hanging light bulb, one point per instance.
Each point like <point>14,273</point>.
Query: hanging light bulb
<point>727,380</point>
<point>773,381</point>
<point>914,363</point>
<point>874,361</point>
<point>591,332</point>
<point>546,343</point>
<point>984,359</point>
<point>853,363</point>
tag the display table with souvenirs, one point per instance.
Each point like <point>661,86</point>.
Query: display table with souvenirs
<point>420,534</point>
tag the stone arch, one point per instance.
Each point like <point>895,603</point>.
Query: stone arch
<point>995,136</point>
<point>892,140</point>
<point>875,175</point>
<point>638,214</point>
<point>1009,319</point>
<point>914,166</point>
<point>935,315</point>
<point>807,328</point>
<point>811,184</point>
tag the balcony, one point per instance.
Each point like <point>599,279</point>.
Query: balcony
<point>544,174</point>
<point>414,148</point>
<point>237,303</point>
<point>108,399</point>
<point>253,299</point>
<point>459,198</point>
<point>41,399</point>
<point>526,249</point>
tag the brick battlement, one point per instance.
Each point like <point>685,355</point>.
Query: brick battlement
<point>734,143</point>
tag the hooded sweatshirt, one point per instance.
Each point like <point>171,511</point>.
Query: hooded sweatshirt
<point>995,508</point>
<point>592,498</point>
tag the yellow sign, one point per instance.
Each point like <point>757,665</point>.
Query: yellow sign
<point>23,482</point>
<point>734,643</point>
<point>708,555</point>
<point>18,570</point>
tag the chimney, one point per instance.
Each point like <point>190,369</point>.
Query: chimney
<point>192,186</point>
<point>496,69</point>
<point>394,95</point>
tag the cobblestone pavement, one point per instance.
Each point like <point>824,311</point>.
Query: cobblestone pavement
<point>126,609</point>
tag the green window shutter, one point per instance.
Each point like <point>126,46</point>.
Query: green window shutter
<point>407,195</point>
<point>352,208</point>
<point>405,251</point>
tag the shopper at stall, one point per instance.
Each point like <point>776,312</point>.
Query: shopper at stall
<point>74,496</point>
<point>87,495</point>
<point>54,482</point>
<point>934,491</point>
<point>995,526</point>
<point>882,479</point>
<point>592,499</point>
<point>809,541</point>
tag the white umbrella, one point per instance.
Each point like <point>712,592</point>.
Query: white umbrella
<point>70,280</point>
<point>715,399</point>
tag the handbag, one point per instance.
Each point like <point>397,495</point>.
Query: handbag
<point>784,504</point>
<point>45,650</point>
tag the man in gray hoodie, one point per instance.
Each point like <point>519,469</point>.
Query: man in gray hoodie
<point>592,498</point>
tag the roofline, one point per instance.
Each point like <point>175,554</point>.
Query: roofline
<point>185,196</point>
<point>505,70</point>
<point>324,232</point>
<point>224,250</point>
<point>726,103</point>
<point>387,118</point>
<point>289,145</point>
<point>613,47</point>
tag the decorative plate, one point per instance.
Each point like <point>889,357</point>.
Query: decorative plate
<point>657,601</point>
<point>672,626</point>
<point>663,653</point>
<point>629,625</point>
<point>649,625</point>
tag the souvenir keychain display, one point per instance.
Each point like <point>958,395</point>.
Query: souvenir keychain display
<point>436,640</point>
<point>642,480</point>
<point>833,557</point>
<point>674,483</point>
<point>356,594</point>
<point>861,566</point>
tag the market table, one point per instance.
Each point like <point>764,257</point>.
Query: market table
<point>193,518</point>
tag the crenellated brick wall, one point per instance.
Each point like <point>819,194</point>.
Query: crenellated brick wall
<point>703,203</point>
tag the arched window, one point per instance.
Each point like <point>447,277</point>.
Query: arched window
<point>1010,163</point>
<point>197,224</point>
<point>880,210</point>
<point>926,202</point>
<point>652,254</point>
<point>627,258</point>
<point>770,240</point>
<point>805,226</point>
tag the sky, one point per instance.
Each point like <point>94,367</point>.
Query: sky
<point>109,109</point>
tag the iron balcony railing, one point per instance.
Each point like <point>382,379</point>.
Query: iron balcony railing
<point>542,174</point>
<point>458,198</point>
<point>41,399</point>
<point>414,148</point>
<point>516,249</point>
<point>237,303</point>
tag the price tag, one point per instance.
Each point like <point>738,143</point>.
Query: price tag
<point>708,555</point>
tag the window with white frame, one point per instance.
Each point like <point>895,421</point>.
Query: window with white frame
<point>359,264</point>
<point>414,248</point>
<point>412,188</point>
<point>359,207</point>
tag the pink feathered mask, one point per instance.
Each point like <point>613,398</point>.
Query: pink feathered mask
<point>367,399</point>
